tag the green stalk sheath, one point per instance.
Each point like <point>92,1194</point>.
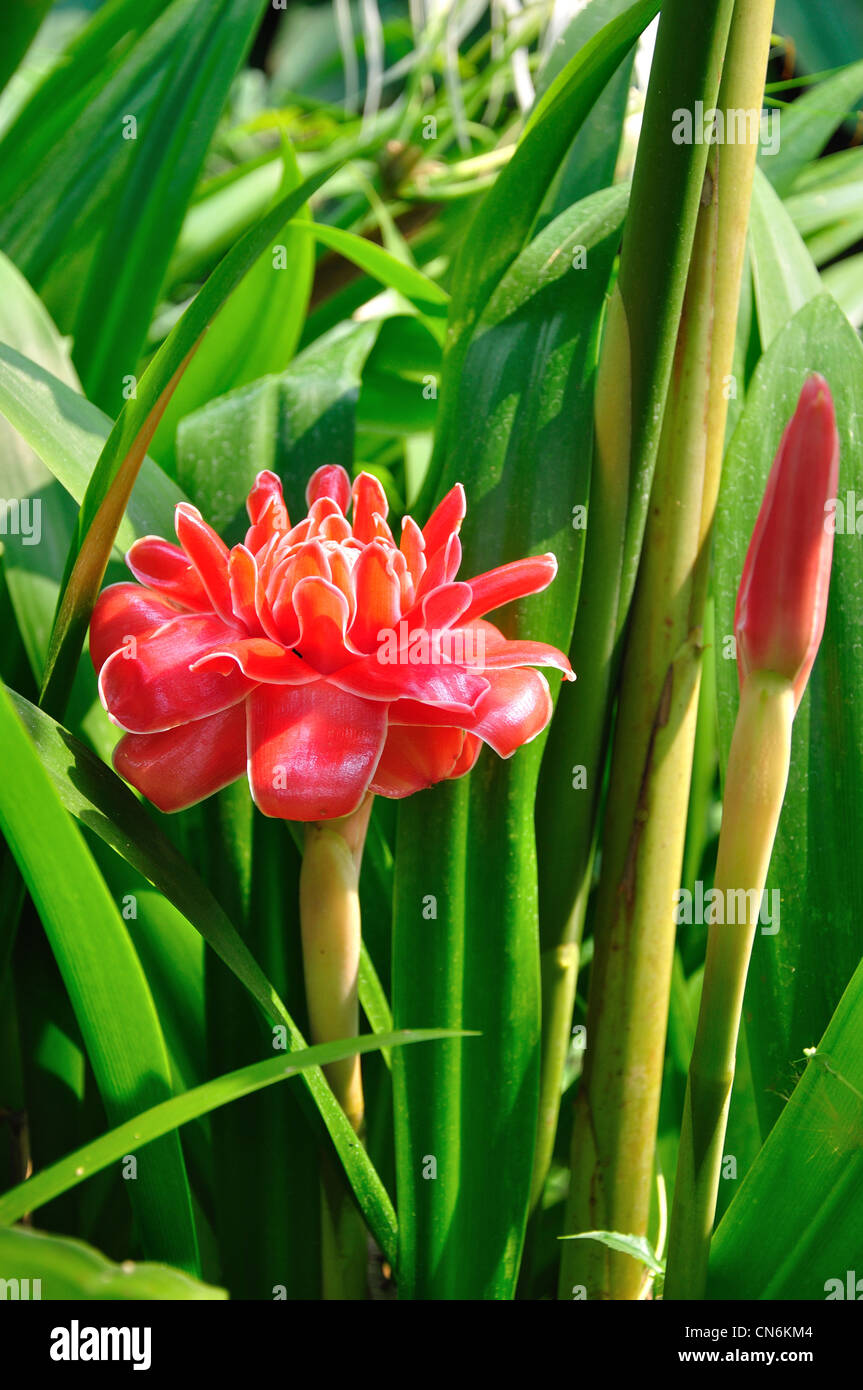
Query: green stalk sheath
<point>754,791</point>
<point>633,382</point>
<point>330,924</point>
<point>331,936</point>
<point>617,1105</point>
<point>561,914</point>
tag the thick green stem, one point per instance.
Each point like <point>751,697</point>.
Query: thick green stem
<point>617,1105</point>
<point>754,790</point>
<point>633,382</point>
<point>331,935</point>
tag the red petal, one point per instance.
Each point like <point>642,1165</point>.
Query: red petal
<point>267,511</point>
<point>123,611</point>
<point>445,520</point>
<point>166,568</point>
<point>442,567</point>
<point>178,767</point>
<point>312,750</point>
<point>369,500</point>
<point>468,756</point>
<point>150,687</point>
<point>260,660</point>
<point>509,582</point>
<point>412,547</point>
<point>492,651</point>
<point>378,596</point>
<point>209,554</point>
<point>243,581</point>
<point>513,711</point>
<point>450,688</point>
<point>416,758</point>
<point>330,481</point>
<point>322,612</point>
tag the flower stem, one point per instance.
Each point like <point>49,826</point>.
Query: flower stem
<point>331,935</point>
<point>754,790</point>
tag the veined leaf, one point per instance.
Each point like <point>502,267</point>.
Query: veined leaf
<point>104,979</point>
<point>782,269</point>
<point>164,1119</point>
<point>794,983</point>
<point>69,1269</point>
<point>290,423</point>
<point>808,123</point>
<point>523,394</point>
<point>257,330</point>
<point>97,797</point>
<point>105,201</point>
<point>811,1165</point>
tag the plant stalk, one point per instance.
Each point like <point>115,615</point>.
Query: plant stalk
<point>754,791</point>
<point>331,937</point>
<point>617,1105</point>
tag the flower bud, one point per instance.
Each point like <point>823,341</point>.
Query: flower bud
<point>782,599</point>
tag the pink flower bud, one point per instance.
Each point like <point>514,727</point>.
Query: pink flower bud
<point>782,599</point>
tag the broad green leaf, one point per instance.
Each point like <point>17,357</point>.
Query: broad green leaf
<point>845,282</point>
<point>808,123</point>
<point>523,393</point>
<point>95,795</point>
<point>69,1269</point>
<point>795,1228</point>
<point>256,331</point>
<point>33,563</point>
<point>591,162</point>
<point>105,201</point>
<point>378,262</point>
<point>68,433</point>
<point>502,226</point>
<point>784,275</point>
<point>290,423</point>
<point>17,29</point>
<point>794,981</point>
<point>822,35</point>
<point>99,966</point>
<point>164,1119</point>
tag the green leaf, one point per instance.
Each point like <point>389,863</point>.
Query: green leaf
<point>68,434</point>
<point>808,123</point>
<point>97,797</point>
<point>523,393</point>
<point>33,564</point>
<point>103,202</point>
<point>794,983</point>
<point>69,1269</point>
<point>164,1119</point>
<point>290,424</point>
<point>782,269</point>
<point>502,226</point>
<point>811,1170</point>
<point>257,330</point>
<point>99,967</point>
<point>638,1247</point>
<point>591,162</point>
<point>380,263</point>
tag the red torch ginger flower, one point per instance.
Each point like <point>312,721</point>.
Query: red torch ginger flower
<point>782,599</point>
<point>322,659</point>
